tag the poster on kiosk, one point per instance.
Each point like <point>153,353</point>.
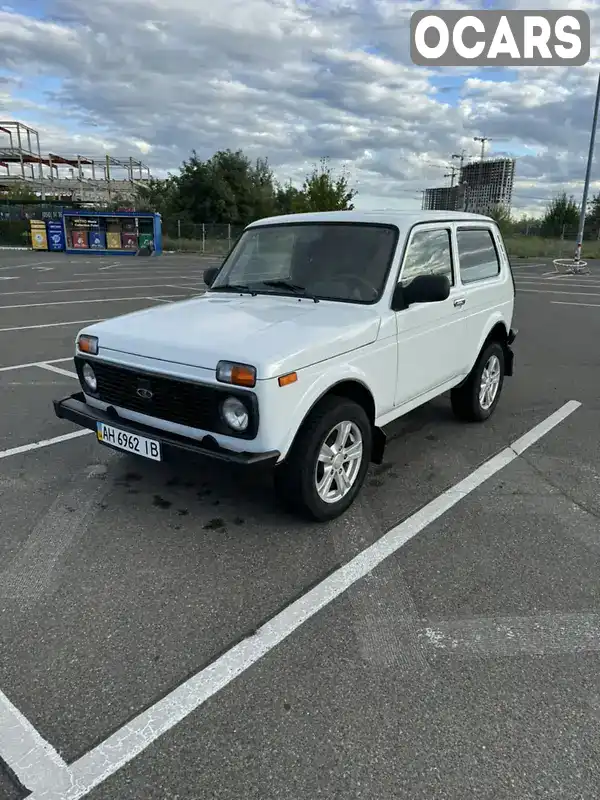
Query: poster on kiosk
<point>113,232</point>
<point>56,235</point>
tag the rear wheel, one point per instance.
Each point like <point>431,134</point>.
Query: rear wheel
<point>326,466</point>
<point>477,398</point>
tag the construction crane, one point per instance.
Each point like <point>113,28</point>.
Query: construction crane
<point>451,175</point>
<point>483,140</point>
<point>462,155</point>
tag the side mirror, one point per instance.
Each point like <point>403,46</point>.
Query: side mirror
<point>422,289</point>
<point>210,275</point>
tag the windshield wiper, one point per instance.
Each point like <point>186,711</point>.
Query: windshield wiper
<point>280,283</point>
<point>236,287</point>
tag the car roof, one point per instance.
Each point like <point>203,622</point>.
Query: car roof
<point>403,219</point>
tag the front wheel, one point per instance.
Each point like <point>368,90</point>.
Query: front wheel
<point>328,462</point>
<point>477,398</point>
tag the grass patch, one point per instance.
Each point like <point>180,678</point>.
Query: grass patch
<point>217,247</point>
<point>537,247</point>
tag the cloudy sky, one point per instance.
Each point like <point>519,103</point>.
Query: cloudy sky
<point>292,80</point>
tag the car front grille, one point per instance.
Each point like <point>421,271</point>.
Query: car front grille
<point>183,402</point>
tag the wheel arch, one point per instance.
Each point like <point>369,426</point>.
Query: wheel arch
<point>499,332</point>
<point>356,390</point>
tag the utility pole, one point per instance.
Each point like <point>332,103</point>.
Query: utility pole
<point>483,140</point>
<point>588,173</point>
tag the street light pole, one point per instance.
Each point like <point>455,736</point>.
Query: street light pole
<point>588,173</point>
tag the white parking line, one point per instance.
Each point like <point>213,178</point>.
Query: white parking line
<point>73,302</point>
<point>198,285</point>
<point>49,325</point>
<point>523,282</point>
<point>35,364</point>
<point>133,276</point>
<point>28,576</point>
<point>23,266</point>
<point>138,288</point>
<point>58,370</point>
<point>565,303</point>
<point>30,757</point>
<point>542,635</point>
<point>133,738</point>
<point>27,448</point>
<point>526,266</point>
<point>106,281</point>
<point>554,291</point>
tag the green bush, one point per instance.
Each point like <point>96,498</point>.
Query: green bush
<point>14,233</point>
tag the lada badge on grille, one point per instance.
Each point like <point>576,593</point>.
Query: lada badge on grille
<point>144,390</point>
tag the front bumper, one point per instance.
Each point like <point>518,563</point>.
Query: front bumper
<point>75,409</point>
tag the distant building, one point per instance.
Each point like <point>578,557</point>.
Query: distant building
<point>484,185</point>
<point>444,198</point>
<point>489,184</point>
<point>85,179</point>
<point>441,198</point>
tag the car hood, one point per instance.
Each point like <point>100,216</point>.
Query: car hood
<point>274,333</point>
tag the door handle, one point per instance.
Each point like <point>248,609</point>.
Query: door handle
<point>460,302</point>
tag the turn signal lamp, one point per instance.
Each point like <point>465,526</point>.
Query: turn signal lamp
<point>285,380</point>
<point>88,344</point>
<point>236,374</point>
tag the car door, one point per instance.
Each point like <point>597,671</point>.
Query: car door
<point>486,280</point>
<point>432,337</point>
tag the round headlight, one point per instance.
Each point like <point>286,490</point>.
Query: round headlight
<point>89,378</point>
<point>235,414</point>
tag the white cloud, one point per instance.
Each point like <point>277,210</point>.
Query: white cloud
<point>293,80</point>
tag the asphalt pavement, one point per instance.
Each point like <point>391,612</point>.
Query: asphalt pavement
<point>462,666</point>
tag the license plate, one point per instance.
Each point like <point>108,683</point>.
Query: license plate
<point>129,442</point>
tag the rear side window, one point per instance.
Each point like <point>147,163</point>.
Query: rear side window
<point>477,255</point>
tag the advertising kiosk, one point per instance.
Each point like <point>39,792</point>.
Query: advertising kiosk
<point>117,233</point>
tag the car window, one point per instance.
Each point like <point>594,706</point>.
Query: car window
<point>266,255</point>
<point>428,253</point>
<point>345,261</point>
<point>477,255</point>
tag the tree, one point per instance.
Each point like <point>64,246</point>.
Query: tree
<point>19,194</point>
<point>230,188</point>
<point>289,199</point>
<point>592,220</point>
<point>562,216</point>
<point>503,218</point>
<point>159,195</point>
<point>323,191</point>
<point>226,188</point>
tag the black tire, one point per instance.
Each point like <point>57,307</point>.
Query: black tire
<point>295,479</point>
<point>465,400</point>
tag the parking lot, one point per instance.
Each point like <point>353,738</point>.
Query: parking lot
<point>170,633</point>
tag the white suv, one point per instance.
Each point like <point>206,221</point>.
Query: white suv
<point>317,331</point>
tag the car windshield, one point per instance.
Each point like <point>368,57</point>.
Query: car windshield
<point>331,261</point>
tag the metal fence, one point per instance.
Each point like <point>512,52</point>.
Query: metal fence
<point>218,239</point>
<point>22,212</point>
<point>566,232</point>
<point>202,237</point>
